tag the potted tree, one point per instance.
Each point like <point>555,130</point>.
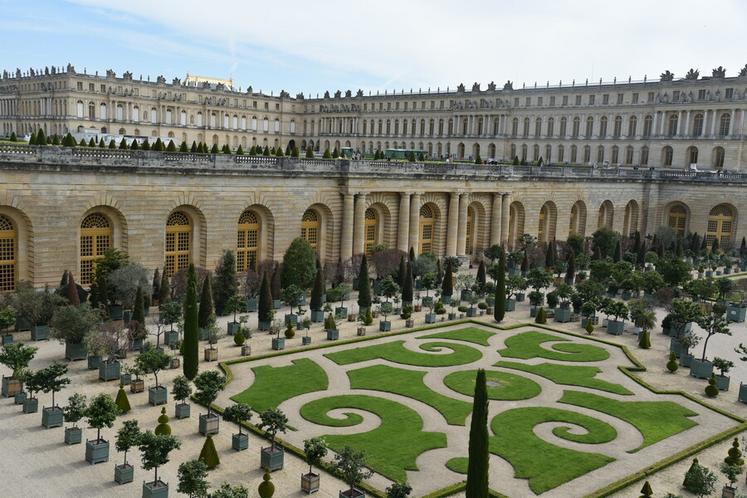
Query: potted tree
<point>7,320</point>
<point>292,297</point>
<point>33,383</point>
<point>211,352</point>
<point>741,350</point>
<point>101,412</point>
<point>271,422</point>
<point>193,479</point>
<point>515,287</point>
<point>36,308</point>
<point>278,343</point>
<point>128,436</point>
<point>619,311</point>
<point>389,289</point>
<point>71,324</point>
<point>106,342</point>
<point>169,314</point>
<point>17,358</point>
<point>339,293</point>
<point>330,327</point>
<point>137,385</point>
<point>712,324</point>
<point>306,324</point>
<point>732,474</point>
<point>687,342</point>
<point>181,391</point>
<point>315,450</point>
<point>208,385</point>
<point>564,293</point>
<point>233,306</point>
<point>723,366</point>
<point>265,311</point>
<point>74,412</point>
<point>154,453</point>
<point>351,466</point>
<point>52,379</point>
<point>238,414</point>
<point>152,361</point>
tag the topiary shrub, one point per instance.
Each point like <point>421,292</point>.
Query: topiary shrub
<point>290,332</point>
<point>122,402</point>
<point>163,427</point>
<point>329,322</point>
<point>699,480</point>
<point>589,327</point>
<point>208,454</point>
<point>711,390</point>
<point>735,454</point>
<point>239,338</point>
<point>541,316</point>
<point>644,340</point>
<point>672,364</point>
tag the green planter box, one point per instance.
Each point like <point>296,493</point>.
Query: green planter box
<point>232,327</point>
<point>23,324</point>
<point>239,442</point>
<point>125,379</point>
<point>93,362</point>
<point>7,339</point>
<point>686,359</point>
<point>446,299</point>
<point>676,347</point>
<point>278,343</point>
<point>563,315</point>
<point>736,313</point>
<point>317,316</point>
<point>471,312</point>
<point>97,451</point>
<point>511,304</point>
<point>430,318</point>
<point>615,327</point>
<point>742,393</point>
<point>171,337</point>
<point>292,319</point>
<point>116,312</point>
<point>722,382</point>
<point>701,369</point>
<point>332,334</point>
<point>137,344</point>
<point>19,398</point>
<point>109,370</point>
<point>352,493</point>
<point>31,405</point>
<point>263,325</point>
<point>341,312</point>
<point>158,395</point>
<point>209,425</point>
<point>533,310</point>
<point>52,417</point>
<point>126,316</point>
<point>124,473</point>
<point>155,489</point>
<point>520,297</point>
<point>272,460</point>
<point>73,435</point>
<point>182,410</point>
<point>466,295</point>
<point>306,340</point>
<point>39,332</point>
<point>251,305</point>
<point>385,326</point>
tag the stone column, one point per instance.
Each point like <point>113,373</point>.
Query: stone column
<point>346,249</point>
<point>713,123</point>
<point>414,221</point>
<point>462,227</point>
<point>359,235</point>
<point>403,227</point>
<point>505,213</point>
<point>451,226</point>
<point>495,220</point>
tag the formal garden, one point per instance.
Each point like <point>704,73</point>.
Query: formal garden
<point>600,362</point>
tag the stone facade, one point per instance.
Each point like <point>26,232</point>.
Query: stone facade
<point>447,209</point>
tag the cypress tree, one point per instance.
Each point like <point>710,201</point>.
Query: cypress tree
<point>550,255</point>
<point>481,276</point>
<point>447,286</point>
<point>477,470</point>
<point>743,248</point>
<point>253,150</point>
<point>145,145</point>
<point>91,143</point>
<point>83,143</point>
<point>264,307</point>
<point>171,147</point>
<point>364,285</point>
<point>123,144</point>
<point>279,152</point>
<point>55,140</point>
<point>499,312</point>
<point>226,285</point>
<point>32,138</point>
<point>525,264</point>
<point>240,151</point>
<point>439,272</point>
<point>402,272</point>
<point>138,313</point>
<point>412,255</point>
<point>541,317</point>
<point>275,286</point>
<point>206,304</point>
<point>193,149</point>
<point>208,454</point>
<point>41,139</point>
<point>13,137</point>
<point>618,251</point>
<point>156,290</point>
<point>72,290</point>
<point>157,144</point>
<point>317,291</point>
<point>164,290</point>
<point>570,271</point>
<point>214,149</point>
<point>112,144</point>
<point>326,154</point>
<point>133,145</point>
<point>407,284</point>
<point>309,153</point>
<point>102,144</point>
<point>190,344</point>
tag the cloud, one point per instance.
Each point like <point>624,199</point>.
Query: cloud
<point>428,43</point>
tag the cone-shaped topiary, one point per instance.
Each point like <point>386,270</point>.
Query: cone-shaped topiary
<point>589,327</point>
<point>646,491</point>
<point>500,289</point>
<point>735,454</point>
<point>478,464</point>
<point>364,285</point>
<point>644,340</point>
<point>163,426</point>
<point>541,316</point>
<point>239,338</point>
<point>265,300</point>
<point>122,402</point>
<point>208,454</point>
<point>266,488</point>
<point>693,466</point>
<point>309,153</point>
<point>711,390</point>
<point>317,291</point>
<point>672,364</point>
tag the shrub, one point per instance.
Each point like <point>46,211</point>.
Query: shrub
<point>644,340</point>
<point>208,454</point>
<point>122,402</point>
<point>329,322</point>
<point>239,338</point>
<point>672,364</point>
<point>163,427</point>
<point>541,316</point>
<point>290,332</point>
<point>735,455</point>
<point>699,480</point>
<point>711,390</point>
<point>589,327</point>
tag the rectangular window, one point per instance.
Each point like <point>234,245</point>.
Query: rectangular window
<point>565,99</point>
<point>619,98</point>
<point>591,99</point>
<point>539,101</point>
<point>405,106</point>
<point>516,101</point>
<point>635,98</point>
<point>676,95</point>
<point>650,97</point>
<point>729,93</point>
<point>80,86</point>
<point>528,101</point>
<point>578,99</point>
<point>606,98</point>
<point>552,100</point>
<point>91,87</point>
<point>103,88</point>
<point>701,94</point>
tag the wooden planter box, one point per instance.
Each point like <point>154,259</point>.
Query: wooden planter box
<point>97,451</point>
<point>73,435</point>
<point>278,343</point>
<point>246,350</point>
<point>19,398</point>
<point>310,483</point>
<point>728,492</point>
<point>211,354</point>
<point>93,362</point>
<point>385,326</point>
<point>452,316</point>
<point>75,352</point>
<point>252,304</point>
<point>155,489</point>
<point>272,460</point>
<point>109,370</point>
<point>39,332</point>
<point>182,410</point>
<point>306,340</point>
<point>158,395</point>
<point>615,327</point>
<point>232,328</point>
<point>171,337</point>
<point>239,442</point>
<point>209,424</point>
<point>352,493</point>
<point>31,405</point>
<point>360,331</point>
<point>409,323</point>
<point>736,313</point>
<point>341,312</point>
<point>332,334</point>
<point>11,387</point>
<point>175,363</point>
<point>124,473</point>
<point>701,369</point>
<point>137,386</point>
<point>52,417</point>
<point>563,315</point>
<point>430,318</point>
<point>722,382</point>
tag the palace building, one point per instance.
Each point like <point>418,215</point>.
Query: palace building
<point>614,155</point>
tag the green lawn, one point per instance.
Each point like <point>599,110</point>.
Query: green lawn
<point>392,447</point>
<point>569,375</point>
<point>655,420</point>
<point>396,352</point>
<point>409,383</point>
<point>529,345</point>
<point>273,385</point>
<point>470,334</point>
<point>501,385</point>
<point>545,465</point>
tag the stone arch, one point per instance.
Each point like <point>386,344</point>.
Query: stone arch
<point>93,233</point>
<point>478,228</point>
<point>548,219</point>
<point>384,205</point>
<point>632,214</point>
<point>255,237</point>
<point>677,215</point>
<point>318,216</point>
<point>577,223</point>
<point>179,256</point>
<point>19,239</point>
<point>606,215</point>
<point>515,223</point>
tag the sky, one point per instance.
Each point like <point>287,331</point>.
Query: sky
<point>377,45</point>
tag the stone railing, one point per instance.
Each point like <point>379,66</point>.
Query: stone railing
<point>14,156</point>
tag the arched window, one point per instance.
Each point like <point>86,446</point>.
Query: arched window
<point>677,219</point>
<point>644,155</point>
<point>589,126</point>
<point>629,154</point>
<point>79,109</point>
<point>427,226</point>
<point>178,242</point>
<point>578,219</point>
<point>576,126</point>
<point>120,112</point>
<point>632,126</point>
<point>721,225</point>
<point>718,157</point>
<point>548,216</point>
<point>8,254</point>
<point>247,243</point>
<point>648,122</point>
<point>371,230</point>
<point>617,130</point>
<point>692,155</point>
<point>574,154</point>
<point>515,127</point>
<point>724,124</point>
<point>606,215</point>
<point>550,127</point>
<point>561,153</point>
<point>673,121</point>
<point>136,114</point>
<point>666,155</point>
<point>537,127</point>
<point>587,154</point>
<point>95,238</point>
<point>470,244</point>
<point>600,154</point>
<point>630,223</point>
<point>183,118</point>
<point>698,125</point>
<point>199,119</point>
<point>310,227</point>
<point>525,130</point>
<point>535,152</point>
<point>563,127</point>
<point>548,153</point>
<point>603,127</point>
<point>102,111</point>
<point>524,152</point>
